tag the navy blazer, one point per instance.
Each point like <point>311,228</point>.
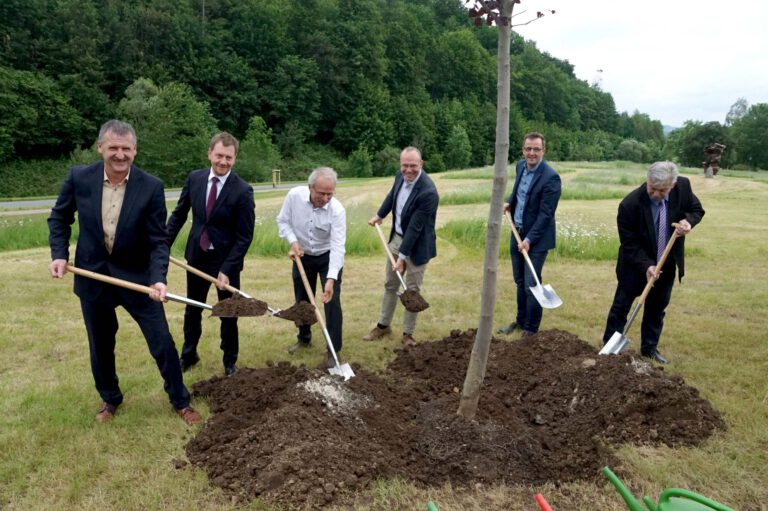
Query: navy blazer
<point>540,205</point>
<point>230,226</point>
<point>637,233</point>
<point>418,218</point>
<point>139,253</point>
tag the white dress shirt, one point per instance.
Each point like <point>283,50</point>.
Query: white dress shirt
<point>318,230</point>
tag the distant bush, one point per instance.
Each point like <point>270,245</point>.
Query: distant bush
<point>32,178</point>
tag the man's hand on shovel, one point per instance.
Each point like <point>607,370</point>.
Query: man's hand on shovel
<point>295,251</point>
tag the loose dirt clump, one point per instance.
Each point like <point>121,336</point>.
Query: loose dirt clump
<point>550,411</point>
<point>301,313</point>
<point>239,306</point>
<point>413,301</point>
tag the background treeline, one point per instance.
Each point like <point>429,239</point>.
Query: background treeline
<point>344,83</point>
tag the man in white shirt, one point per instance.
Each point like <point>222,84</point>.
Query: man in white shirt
<point>315,225</point>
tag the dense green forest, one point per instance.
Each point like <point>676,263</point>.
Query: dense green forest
<point>336,82</point>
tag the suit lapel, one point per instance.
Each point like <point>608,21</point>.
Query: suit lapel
<point>97,192</point>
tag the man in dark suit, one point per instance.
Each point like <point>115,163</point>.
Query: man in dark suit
<point>532,204</point>
<point>223,218</point>
<point>645,226</point>
<point>413,202</point>
<point>121,214</point>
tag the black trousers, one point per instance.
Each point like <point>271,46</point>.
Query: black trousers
<point>197,289</point>
<point>314,267</point>
<point>101,324</point>
<point>653,311</point>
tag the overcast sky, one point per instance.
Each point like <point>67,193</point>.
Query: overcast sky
<point>675,60</point>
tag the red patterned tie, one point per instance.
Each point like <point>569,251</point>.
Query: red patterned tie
<point>205,241</point>
<point>661,240</point>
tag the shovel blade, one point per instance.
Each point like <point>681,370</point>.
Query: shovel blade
<point>615,344</point>
<point>343,370</point>
<point>546,296</point>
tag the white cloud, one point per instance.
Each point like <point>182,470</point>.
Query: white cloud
<point>674,60</point>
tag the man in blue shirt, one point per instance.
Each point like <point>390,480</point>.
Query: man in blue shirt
<point>532,204</point>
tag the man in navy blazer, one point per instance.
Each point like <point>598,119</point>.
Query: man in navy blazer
<point>121,215</point>
<point>532,204</point>
<point>413,202</point>
<point>638,225</point>
<point>223,217</point>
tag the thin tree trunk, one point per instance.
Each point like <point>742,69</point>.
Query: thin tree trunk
<point>473,381</point>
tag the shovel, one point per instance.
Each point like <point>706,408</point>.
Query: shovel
<point>619,340</point>
<point>545,295</point>
<point>297,313</point>
<point>258,304</point>
<point>344,370</point>
<point>410,299</point>
<point>135,287</point>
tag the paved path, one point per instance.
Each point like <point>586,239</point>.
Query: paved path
<point>28,207</point>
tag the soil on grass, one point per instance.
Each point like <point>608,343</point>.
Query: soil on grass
<point>239,306</point>
<point>550,411</point>
<point>413,301</point>
<point>301,313</point>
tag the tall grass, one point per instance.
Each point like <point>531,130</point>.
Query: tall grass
<point>22,232</point>
<point>574,241</point>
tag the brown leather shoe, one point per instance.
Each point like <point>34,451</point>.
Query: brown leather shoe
<point>408,340</point>
<point>527,333</point>
<point>377,333</point>
<point>189,415</point>
<point>330,362</point>
<point>106,413</point>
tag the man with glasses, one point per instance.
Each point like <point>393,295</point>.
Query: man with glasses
<point>314,222</point>
<point>532,204</point>
<point>412,201</point>
<point>645,226</point>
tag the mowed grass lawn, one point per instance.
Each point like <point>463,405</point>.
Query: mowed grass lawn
<point>53,455</point>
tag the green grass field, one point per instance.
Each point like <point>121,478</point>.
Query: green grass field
<point>53,455</point>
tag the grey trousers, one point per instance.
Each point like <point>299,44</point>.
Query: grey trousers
<point>414,276</point>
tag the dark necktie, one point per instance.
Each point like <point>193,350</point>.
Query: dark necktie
<point>661,240</point>
<point>205,240</point>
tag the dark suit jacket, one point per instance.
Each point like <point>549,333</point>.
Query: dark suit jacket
<point>139,253</point>
<point>540,205</point>
<point>638,234</point>
<point>230,226</point>
<point>418,218</point>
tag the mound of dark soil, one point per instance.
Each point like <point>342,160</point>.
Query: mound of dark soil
<point>549,409</point>
<point>238,306</point>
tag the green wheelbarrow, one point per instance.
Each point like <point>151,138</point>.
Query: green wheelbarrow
<point>671,499</point>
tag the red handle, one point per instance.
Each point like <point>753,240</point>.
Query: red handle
<point>542,502</point>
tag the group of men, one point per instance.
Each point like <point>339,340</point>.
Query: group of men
<point>123,233</point>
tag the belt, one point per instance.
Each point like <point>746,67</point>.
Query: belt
<point>519,228</point>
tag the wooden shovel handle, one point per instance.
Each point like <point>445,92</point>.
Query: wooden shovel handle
<point>205,276</point>
<point>386,245</point>
<point>524,252</point>
<point>664,255</point>
<point>110,280</point>
<point>389,253</point>
<point>514,229</point>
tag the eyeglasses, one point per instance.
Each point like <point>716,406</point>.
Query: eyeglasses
<point>533,149</point>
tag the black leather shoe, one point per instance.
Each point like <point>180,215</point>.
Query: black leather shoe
<point>508,329</point>
<point>299,345</point>
<point>187,363</point>
<point>657,357</point>
<point>230,369</point>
